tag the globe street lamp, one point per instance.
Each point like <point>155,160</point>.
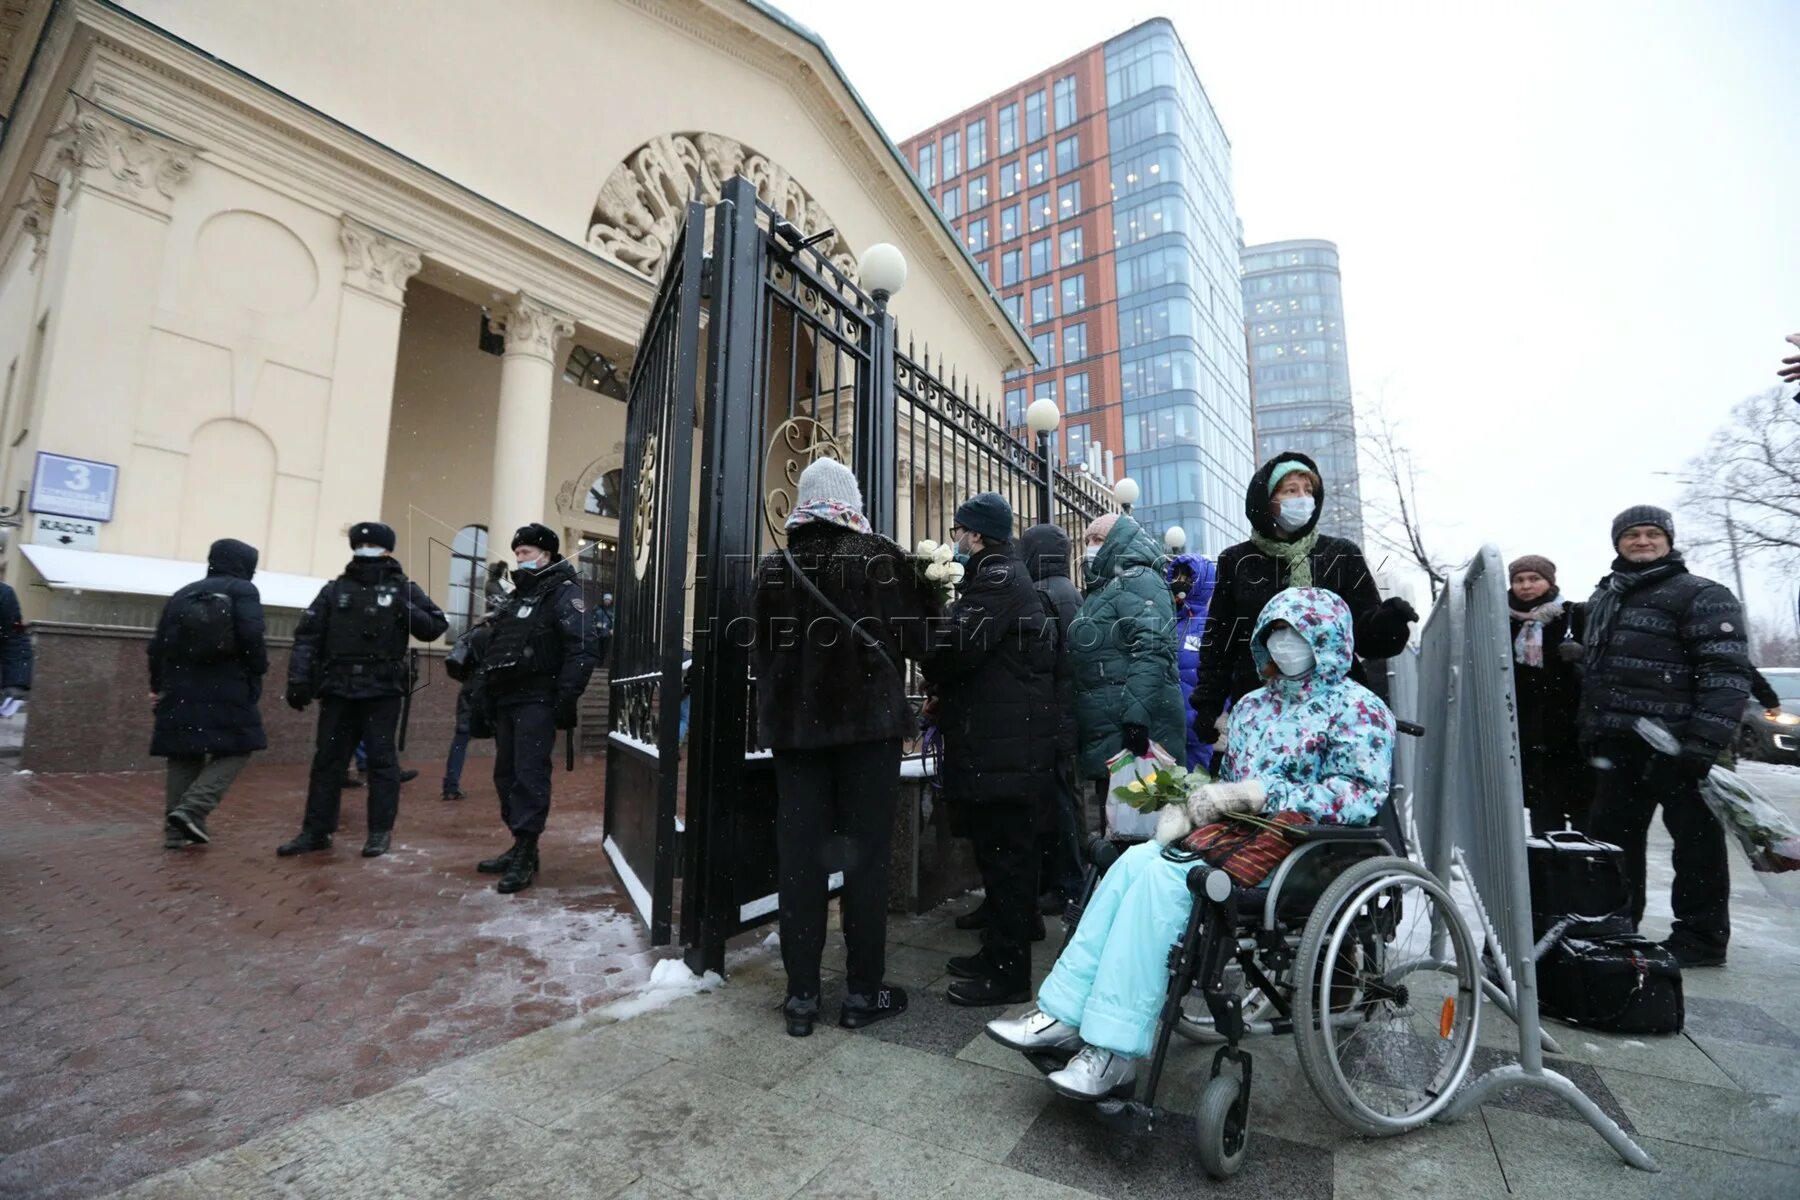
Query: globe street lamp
<point>1175,538</point>
<point>1126,492</point>
<point>882,272</point>
<point>1043,417</point>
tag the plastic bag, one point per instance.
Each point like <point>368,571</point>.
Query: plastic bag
<point>1766,835</point>
<point>1125,768</point>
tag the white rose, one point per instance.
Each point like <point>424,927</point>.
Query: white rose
<point>953,572</point>
<point>945,553</point>
<point>926,548</point>
<point>935,572</point>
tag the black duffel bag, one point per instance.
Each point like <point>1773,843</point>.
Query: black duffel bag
<point>1623,983</point>
<point>1578,886</point>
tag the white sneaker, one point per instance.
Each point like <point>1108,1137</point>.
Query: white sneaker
<point>1034,1031</point>
<point>1095,1074</point>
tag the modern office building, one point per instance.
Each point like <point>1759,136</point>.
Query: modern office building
<point>1299,370</point>
<point>1097,197</point>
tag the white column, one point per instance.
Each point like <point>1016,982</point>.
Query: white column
<point>522,438</point>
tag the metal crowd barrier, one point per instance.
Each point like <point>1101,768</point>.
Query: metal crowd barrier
<point>1468,812</point>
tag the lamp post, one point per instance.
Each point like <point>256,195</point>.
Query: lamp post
<point>1175,538</point>
<point>1126,492</point>
<point>882,273</point>
<point>1043,416</point>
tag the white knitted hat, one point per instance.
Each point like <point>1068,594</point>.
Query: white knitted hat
<point>828,479</point>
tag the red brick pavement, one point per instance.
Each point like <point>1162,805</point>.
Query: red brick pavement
<point>160,1006</point>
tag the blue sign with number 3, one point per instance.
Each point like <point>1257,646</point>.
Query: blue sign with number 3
<point>73,487</point>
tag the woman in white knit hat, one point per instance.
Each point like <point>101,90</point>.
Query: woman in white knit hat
<point>836,615</point>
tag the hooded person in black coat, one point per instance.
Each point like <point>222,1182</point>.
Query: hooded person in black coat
<point>995,675</point>
<point>831,703</point>
<point>1283,503</point>
<point>208,657</point>
<point>1045,549</point>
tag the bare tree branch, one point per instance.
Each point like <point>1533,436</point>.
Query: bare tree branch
<point>1393,502</point>
<point>1746,482</point>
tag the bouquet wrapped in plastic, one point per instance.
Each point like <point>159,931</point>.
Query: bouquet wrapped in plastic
<point>1767,835</point>
<point>1141,786</point>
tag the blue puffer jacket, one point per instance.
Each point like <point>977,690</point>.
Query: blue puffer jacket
<point>1190,627</point>
<point>1322,744</point>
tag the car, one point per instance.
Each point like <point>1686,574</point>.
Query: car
<point>1773,735</point>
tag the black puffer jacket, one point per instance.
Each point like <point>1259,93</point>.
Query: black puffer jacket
<point>211,708</point>
<point>995,668</point>
<point>817,684</point>
<point>1045,549</point>
<point>1248,579</point>
<point>1674,652</point>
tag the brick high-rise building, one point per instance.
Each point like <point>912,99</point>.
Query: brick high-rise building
<point>1097,196</point>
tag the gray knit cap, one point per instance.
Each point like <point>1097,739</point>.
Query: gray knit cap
<point>1643,514</point>
<point>828,479</point>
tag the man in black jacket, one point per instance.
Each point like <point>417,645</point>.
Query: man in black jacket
<point>1045,549</point>
<point>995,675</point>
<point>1668,647</point>
<point>15,647</point>
<point>350,653</point>
<point>536,664</point>
<point>208,657</point>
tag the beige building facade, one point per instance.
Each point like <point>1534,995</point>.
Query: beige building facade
<point>286,267</point>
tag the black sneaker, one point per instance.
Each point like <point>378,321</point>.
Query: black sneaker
<point>187,827</point>
<point>408,776</point>
<point>1691,954</point>
<point>304,842</point>
<point>800,1012</point>
<point>376,844</point>
<point>454,793</point>
<point>866,1008</point>
<point>988,991</point>
<point>174,841</point>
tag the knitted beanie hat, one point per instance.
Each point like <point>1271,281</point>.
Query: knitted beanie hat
<point>988,514</point>
<point>1100,526</point>
<point>1533,562</point>
<point>1643,514</point>
<point>828,480</point>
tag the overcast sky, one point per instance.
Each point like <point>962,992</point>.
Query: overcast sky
<point>1570,231</point>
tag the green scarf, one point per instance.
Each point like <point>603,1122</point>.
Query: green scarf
<point>1297,555</point>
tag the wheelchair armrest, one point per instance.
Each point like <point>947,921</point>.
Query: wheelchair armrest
<point>1103,852</point>
<point>1340,833</point>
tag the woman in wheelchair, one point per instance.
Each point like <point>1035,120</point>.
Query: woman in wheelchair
<point>1310,741</point>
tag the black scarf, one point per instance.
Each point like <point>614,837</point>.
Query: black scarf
<point>1626,577</point>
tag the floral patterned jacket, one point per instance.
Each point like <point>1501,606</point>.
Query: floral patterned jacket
<point>1319,744</point>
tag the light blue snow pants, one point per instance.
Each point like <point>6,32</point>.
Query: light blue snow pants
<point>1111,981</point>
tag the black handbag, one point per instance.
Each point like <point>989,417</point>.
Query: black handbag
<point>1619,984</point>
<point>1578,886</point>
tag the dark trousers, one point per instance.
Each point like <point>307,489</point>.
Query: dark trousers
<point>1626,796</point>
<point>342,724</point>
<point>1557,789</point>
<point>836,813</point>
<point>1060,863</point>
<point>524,741</point>
<point>459,745</point>
<point>1005,839</point>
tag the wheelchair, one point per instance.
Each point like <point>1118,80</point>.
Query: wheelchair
<point>1350,946</point>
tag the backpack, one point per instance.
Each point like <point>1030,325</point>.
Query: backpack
<point>205,629</point>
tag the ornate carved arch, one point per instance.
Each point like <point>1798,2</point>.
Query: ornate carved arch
<point>642,202</point>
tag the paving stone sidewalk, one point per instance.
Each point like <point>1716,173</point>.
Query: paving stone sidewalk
<point>707,1098</point>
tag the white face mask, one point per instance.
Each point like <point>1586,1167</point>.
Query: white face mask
<point>1292,653</point>
<point>1089,557</point>
<point>1294,513</point>
<point>368,552</point>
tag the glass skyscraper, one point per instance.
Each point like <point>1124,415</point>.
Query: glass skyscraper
<point>1097,196</point>
<point>1299,370</point>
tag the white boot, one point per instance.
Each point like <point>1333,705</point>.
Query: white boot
<point>1095,1074</point>
<point>1033,1031</point>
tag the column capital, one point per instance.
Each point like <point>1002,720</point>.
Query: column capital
<point>113,154</point>
<point>531,326</point>
<point>39,210</point>
<point>375,262</point>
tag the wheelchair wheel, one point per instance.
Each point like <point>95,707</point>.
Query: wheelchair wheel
<point>1387,999</point>
<point>1222,1137</point>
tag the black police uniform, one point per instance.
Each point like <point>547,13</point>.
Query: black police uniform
<point>350,652</point>
<point>535,666</point>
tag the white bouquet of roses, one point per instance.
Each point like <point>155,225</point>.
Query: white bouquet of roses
<point>937,564</point>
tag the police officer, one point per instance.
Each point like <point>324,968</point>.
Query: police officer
<point>535,666</point>
<point>350,653</point>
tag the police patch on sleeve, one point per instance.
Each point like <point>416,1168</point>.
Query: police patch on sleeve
<point>578,604</point>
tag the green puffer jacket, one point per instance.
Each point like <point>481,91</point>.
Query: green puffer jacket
<point>1123,649</point>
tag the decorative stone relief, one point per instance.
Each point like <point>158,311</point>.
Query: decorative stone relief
<point>644,200</point>
<point>39,209</point>
<point>375,262</point>
<point>531,327</point>
<point>99,148</point>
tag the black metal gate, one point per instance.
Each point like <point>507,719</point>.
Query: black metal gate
<point>800,364</point>
<point>643,762</point>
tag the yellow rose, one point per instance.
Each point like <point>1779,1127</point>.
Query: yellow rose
<point>1150,778</point>
<point>1134,786</point>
